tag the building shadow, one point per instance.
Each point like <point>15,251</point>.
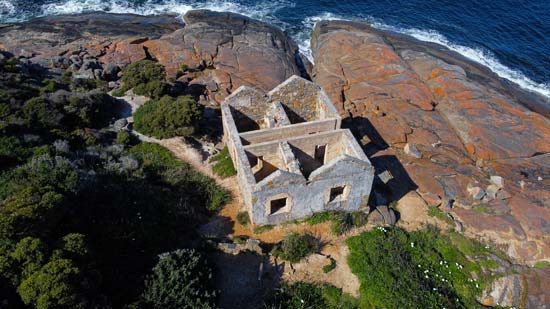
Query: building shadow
<point>361,127</point>
<point>245,280</point>
<point>293,117</point>
<point>392,181</point>
<point>243,122</point>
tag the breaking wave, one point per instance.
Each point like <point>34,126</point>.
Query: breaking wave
<point>478,55</point>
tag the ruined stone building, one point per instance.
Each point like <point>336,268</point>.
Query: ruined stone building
<point>291,156</point>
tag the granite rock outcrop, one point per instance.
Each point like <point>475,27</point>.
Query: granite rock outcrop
<point>465,123</point>
<point>216,51</point>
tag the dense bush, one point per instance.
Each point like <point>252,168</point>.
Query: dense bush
<point>168,117</point>
<point>146,77</point>
<point>301,295</point>
<point>419,270</point>
<point>181,279</point>
<point>222,164</point>
<point>294,247</point>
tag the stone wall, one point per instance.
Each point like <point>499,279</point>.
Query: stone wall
<point>289,170</point>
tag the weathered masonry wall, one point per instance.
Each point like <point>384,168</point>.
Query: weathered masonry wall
<point>305,128</point>
<point>291,157</point>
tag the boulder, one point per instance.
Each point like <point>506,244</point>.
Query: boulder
<point>120,124</point>
<point>382,215</point>
<point>476,192</point>
<point>412,151</point>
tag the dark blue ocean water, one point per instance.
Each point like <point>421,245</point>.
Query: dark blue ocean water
<point>511,37</point>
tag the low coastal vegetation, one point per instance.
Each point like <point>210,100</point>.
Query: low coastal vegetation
<point>422,269</point>
<point>86,213</point>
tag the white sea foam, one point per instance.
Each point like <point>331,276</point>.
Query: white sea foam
<point>6,7</point>
<point>303,37</point>
<point>260,10</point>
<point>478,55</point>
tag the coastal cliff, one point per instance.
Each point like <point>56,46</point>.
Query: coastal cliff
<point>455,138</point>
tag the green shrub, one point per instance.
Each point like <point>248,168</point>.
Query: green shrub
<point>294,247</point>
<point>168,117</point>
<point>66,77</point>
<point>49,86</point>
<point>542,264</point>
<point>146,77</point>
<point>329,267</point>
<point>119,92</point>
<point>184,68</point>
<point>259,229</point>
<point>84,84</point>
<point>222,164</point>
<point>37,113</point>
<point>11,65</point>
<point>123,138</point>
<point>434,211</point>
<point>242,218</point>
<point>181,279</point>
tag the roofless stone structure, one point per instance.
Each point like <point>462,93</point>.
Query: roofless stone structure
<point>291,156</point>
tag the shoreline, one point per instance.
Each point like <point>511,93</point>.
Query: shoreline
<point>476,71</point>
<point>399,41</point>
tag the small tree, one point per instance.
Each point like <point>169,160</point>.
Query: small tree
<point>168,117</point>
<point>181,279</point>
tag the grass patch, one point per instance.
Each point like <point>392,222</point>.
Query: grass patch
<point>343,222</point>
<point>294,247</point>
<point>119,92</point>
<point>434,211</point>
<point>482,209</point>
<point>542,264</point>
<point>302,295</point>
<point>222,164</point>
<point>263,228</point>
<point>320,217</point>
<point>422,269</point>
<point>330,266</point>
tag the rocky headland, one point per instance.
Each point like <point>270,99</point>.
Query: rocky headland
<point>451,135</point>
